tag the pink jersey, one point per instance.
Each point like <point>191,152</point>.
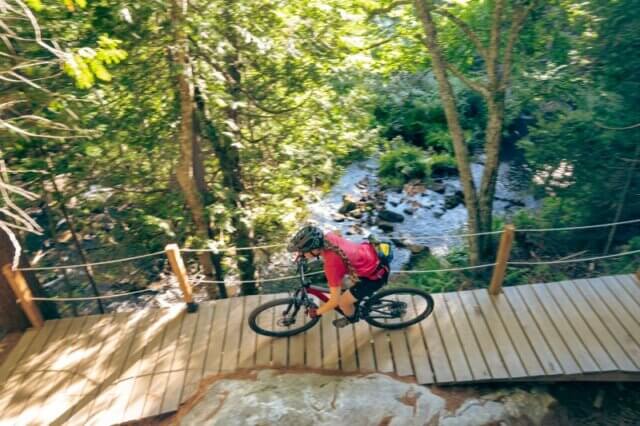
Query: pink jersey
<point>362,256</point>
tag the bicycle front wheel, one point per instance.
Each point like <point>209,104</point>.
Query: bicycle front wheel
<point>395,308</point>
<point>280,318</point>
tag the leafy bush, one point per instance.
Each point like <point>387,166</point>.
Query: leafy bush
<point>442,165</point>
<point>403,164</point>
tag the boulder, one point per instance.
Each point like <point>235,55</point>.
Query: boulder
<point>439,213</point>
<point>438,187</point>
<point>409,211</point>
<point>348,204</point>
<point>270,397</point>
<point>385,226</point>
<point>451,200</point>
<point>389,216</point>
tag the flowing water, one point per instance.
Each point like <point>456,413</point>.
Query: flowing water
<point>429,223</point>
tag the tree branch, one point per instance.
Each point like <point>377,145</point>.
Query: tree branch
<point>372,13</point>
<point>478,87</point>
<point>517,23</point>
<point>466,29</point>
<point>494,45</point>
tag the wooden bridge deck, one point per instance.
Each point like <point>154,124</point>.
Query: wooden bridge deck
<point>108,369</point>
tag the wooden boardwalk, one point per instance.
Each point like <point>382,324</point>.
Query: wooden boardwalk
<point>102,370</point>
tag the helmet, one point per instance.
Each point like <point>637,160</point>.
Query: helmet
<point>306,239</point>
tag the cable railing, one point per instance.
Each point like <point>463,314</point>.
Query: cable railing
<point>173,253</point>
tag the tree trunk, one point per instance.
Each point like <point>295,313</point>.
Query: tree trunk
<point>12,317</point>
<point>493,139</point>
<point>229,160</point>
<point>185,168</point>
<point>423,10</point>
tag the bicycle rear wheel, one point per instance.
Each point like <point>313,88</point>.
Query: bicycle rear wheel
<point>395,308</point>
<point>280,318</point>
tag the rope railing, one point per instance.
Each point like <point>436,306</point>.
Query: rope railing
<point>586,259</point>
<point>572,228</point>
<point>77,299</point>
<point>172,251</point>
<point>415,237</point>
<point>82,265</point>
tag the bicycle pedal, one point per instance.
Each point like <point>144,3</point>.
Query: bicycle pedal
<point>342,322</point>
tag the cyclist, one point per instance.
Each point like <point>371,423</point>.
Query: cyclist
<point>342,258</point>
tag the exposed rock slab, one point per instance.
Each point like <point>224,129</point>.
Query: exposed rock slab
<point>297,399</point>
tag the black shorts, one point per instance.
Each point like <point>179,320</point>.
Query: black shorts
<point>366,287</point>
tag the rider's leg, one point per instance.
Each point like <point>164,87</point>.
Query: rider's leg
<point>347,303</point>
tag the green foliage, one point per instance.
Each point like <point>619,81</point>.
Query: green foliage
<point>442,164</point>
<point>87,64</point>
<point>409,106</point>
<point>403,164</point>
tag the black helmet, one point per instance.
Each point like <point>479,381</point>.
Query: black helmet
<point>306,239</point>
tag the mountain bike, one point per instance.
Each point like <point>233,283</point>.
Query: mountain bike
<point>390,308</point>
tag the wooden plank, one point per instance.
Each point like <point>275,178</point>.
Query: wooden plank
<point>31,385</point>
<point>417,347</point>
<point>296,344</point>
<point>613,314</point>
<point>154,397</point>
<point>84,347</point>
<point>400,350</point>
<point>505,345</point>
<point>55,373</point>
<point>453,347</point>
<point>16,354</point>
<point>348,357</point>
<point>279,345</point>
<point>631,286</point>
<point>519,338</point>
<point>313,346</point>
<point>473,354</point>
<point>199,351</point>
<point>435,347</point>
<point>124,384</point>
<point>216,339</point>
<point>179,364</point>
<point>602,331</point>
<point>148,361</point>
<point>263,343</point>
<point>248,342</point>
<point>117,364</point>
<point>613,303</point>
<point>330,357</point>
<point>38,350</point>
<point>561,351</point>
<point>571,338</point>
<point>232,338</point>
<point>364,348</point>
<point>382,351</point>
<point>527,322</point>
<point>485,339</point>
<point>623,287</point>
<point>599,354</point>
<point>100,370</point>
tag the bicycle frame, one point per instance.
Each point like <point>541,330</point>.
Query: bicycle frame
<point>321,293</point>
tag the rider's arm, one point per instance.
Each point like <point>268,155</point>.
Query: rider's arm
<point>332,303</point>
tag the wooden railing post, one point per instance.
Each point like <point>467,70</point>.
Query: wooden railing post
<point>502,258</point>
<point>177,265</point>
<point>22,291</point>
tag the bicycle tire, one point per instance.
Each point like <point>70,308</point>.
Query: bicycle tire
<point>253,319</point>
<point>377,299</point>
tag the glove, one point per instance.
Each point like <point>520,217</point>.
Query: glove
<point>313,312</point>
